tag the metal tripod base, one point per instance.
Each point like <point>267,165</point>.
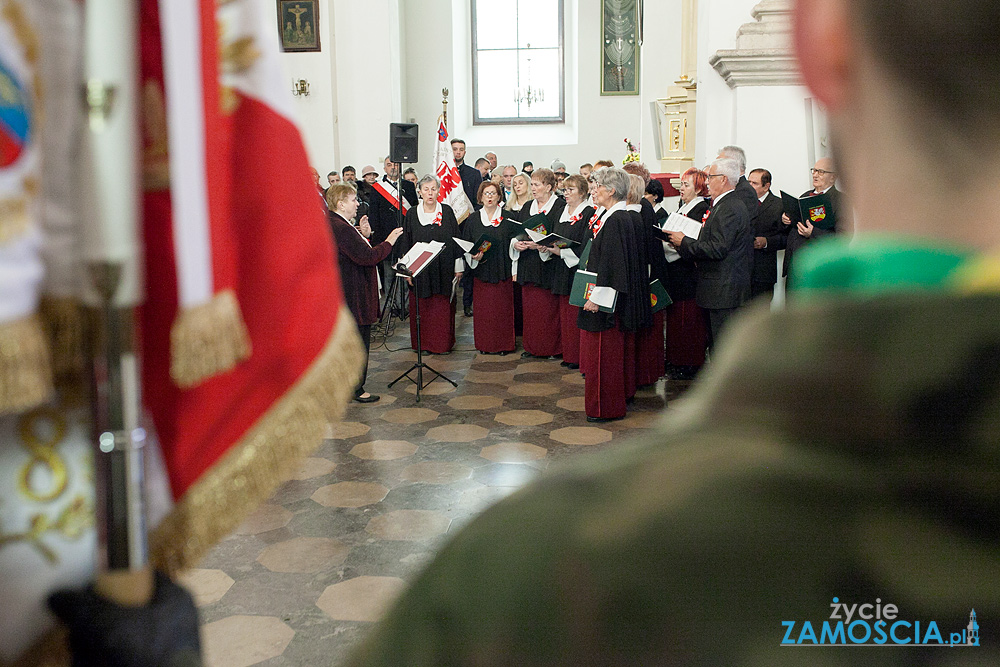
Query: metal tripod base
<point>419,367</point>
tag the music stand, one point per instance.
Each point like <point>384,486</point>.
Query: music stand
<point>401,272</point>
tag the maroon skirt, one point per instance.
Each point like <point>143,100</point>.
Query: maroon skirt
<point>629,361</point>
<point>650,352</point>
<point>687,336</point>
<point>570,333</point>
<point>541,322</point>
<point>493,323</point>
<point>604,389</point>
<point>437,324</point>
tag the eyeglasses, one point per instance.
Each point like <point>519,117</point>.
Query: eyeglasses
<point>711,176</point>
<point>820,171</point>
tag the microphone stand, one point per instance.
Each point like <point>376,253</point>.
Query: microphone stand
<point>401,272</point>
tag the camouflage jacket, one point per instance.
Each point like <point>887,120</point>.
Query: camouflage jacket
<point>856,463</point>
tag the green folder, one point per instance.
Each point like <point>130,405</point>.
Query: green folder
<point>484,244</point>
<point>537,223</point>
<point>585,255</point>
<point>658,297</point>
<point>817,209</point>
<point>583,284</point>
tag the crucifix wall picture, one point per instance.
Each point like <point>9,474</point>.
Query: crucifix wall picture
<point>298,25</point>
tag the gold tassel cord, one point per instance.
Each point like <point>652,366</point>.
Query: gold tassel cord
<point>25,365</point>
<point>208,340</point>
<point>265,457</point>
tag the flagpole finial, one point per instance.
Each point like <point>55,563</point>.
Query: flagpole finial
<point>444,91</point>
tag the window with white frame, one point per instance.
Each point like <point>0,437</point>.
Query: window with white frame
<point>517,62</point>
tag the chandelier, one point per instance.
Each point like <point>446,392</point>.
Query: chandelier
<point>529,94</point>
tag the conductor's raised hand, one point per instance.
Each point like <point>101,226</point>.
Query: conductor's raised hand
<point>394,235</point>
<point>365,226</point>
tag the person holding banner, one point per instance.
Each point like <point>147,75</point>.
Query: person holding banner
<point>572,225</point>
<point>535,271</point>
<point>433,221</point>
<point>493,294</point>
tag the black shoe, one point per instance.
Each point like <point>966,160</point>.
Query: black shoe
<point>468,311</point>
<point>564,363</point>
<point>527,355</point>
<point>602,420</point>
<point>370,398</point>
<point>573,366</point>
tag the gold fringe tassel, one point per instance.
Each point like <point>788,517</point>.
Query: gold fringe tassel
<point>25,366</point>
<point>63,320</point>
<point>14,219</point>
<point>208,340</point>
<point>266,456</point>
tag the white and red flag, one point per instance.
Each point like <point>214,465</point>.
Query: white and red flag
<point>452,193</point>
<point>240,267</point>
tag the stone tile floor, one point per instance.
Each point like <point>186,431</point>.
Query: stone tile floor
<point>301,581</point>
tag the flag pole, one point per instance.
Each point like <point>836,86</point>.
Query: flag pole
<point>112,291</point>
<point>444,113</point>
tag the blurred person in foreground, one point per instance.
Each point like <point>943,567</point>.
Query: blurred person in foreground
<point>852,467</point>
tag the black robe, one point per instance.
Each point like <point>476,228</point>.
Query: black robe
<point>496,264</point>
<point>657,260</point>
<point>531,270</point>
<point>634,310</point>
<point>683,273</point>
<point>436,278</point>
<point>608,259</point>
<point>579,231</point>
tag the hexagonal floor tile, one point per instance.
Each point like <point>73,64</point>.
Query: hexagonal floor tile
<point>240,641</point>
<point>574,378</point>
<point>264,519</point>
<point>350,494</point>
<point>360,599</point>
<point>533,389</point>
<point>312,468</point>
<point>538,367</point>
<point>409,415</point>
<point>573,404</point>
<point>436,472</point>
<point>384,450</point>
<point>457,433</point>
<point>345,430</point>
<point>580,435</point>
<point>494,358</point>
<point>304,555</point>
<point>523,417</point>
<point>513,452</point>
<point>206,586</point>
<point>475,402</point>
<point>409,525</point>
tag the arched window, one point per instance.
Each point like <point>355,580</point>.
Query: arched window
<point>517,62</point>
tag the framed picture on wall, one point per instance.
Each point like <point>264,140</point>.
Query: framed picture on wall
<point>298,25</point>
<point>620,45</point>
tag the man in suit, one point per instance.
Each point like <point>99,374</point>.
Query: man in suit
<point>824,176</point>
<point>769,234</point>
<point>471,177</point>
<point>386,211</point>
<point>721,249</point>
<point>744,191</point>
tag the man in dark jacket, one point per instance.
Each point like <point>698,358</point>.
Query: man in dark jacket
<point>769,234</point>
<point>721,249</point>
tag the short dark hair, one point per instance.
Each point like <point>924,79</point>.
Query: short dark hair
<point>332,173</point>
<point>457,141</point>
<point>482,160</point>
<point>655,188</point>
<point>943,54</point>
<point>765,176</point>
<point>410,170</point>
<point>347,169</point>
<point>527,164</point>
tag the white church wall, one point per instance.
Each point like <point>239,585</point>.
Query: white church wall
<point>774,124</point>
<point>596,125</point>
<point>315,113</point>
